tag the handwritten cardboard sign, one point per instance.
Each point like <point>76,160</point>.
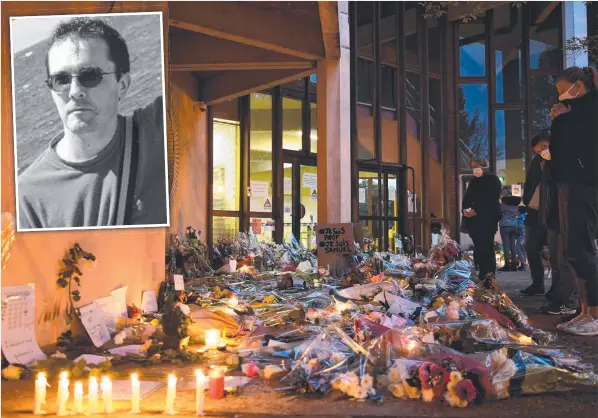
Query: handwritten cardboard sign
<point>335,239</point>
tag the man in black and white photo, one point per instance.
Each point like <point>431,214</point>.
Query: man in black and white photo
<point>103,169</point>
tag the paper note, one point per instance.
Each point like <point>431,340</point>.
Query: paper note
<point>392,193</point>
<point>126,349</point>
<point>310,180</point>
<point>108,306</point>
<point>149,303</point>
<point>259,189</point>
<point>120,299</point>
<point>92,359</point>
<point>179,283</point>
<point>314,195</point>
<point>288,186</point>
<point>362,195</point>
<point>93,320</point>
<point>19,344</point>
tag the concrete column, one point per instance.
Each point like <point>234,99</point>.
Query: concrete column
<point>334,128</point>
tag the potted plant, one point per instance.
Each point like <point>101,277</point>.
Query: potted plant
<point>175,323</point>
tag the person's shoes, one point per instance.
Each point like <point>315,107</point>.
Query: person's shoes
<point>555,309</point>
<point>521,268</point>
<point>586,327</point>
<point>532,291</point>
<point>571,322</point>
<point>513,268</point>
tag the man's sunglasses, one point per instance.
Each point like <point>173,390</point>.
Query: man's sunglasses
<point>88,77</point>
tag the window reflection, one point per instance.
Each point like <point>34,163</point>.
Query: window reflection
<point>388,91</point>
<point>545,35</point>
<point>365,81</point>
<point>388,32</point>
<point>472,51</point>
<point>365,28</point>
<point>510,146</point>
<point>413,104</point>
<point>411,39</point>
<point>292,124</point>
<point>313,135</point>
<point>226,165</point>
<point>473,123</point>
<point>543,98</point>
<point>435,100</point>
<point>507,42</point>
<point>260,153</point>
<point>224,226</point>
<point>435,44</point>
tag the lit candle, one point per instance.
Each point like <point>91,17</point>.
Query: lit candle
<point>200,392</point>
<point>40,394</point>
<point>93,395</point>
<point>233,302</point>
<point>170,395</point>
<point>63,395</point>
<point>79,398</point>
<point>222,345</point>
<point>202,350</point>
<point>216,384</point>
<point>135,394</point>
<point>212,338</point>
<point>106,387</point>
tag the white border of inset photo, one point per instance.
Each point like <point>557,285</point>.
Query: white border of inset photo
<point>36,36</point>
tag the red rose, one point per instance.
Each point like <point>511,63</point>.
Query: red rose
<point>465,390</point>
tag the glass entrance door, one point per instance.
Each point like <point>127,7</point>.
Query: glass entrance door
<point>379,208</point>
<point>300,181</point>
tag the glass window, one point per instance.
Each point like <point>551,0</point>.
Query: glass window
<point>365,81</point>
<point>313,135</point>
<point>411,26</point>
<point>309,200</point>
<point>292,124</point>
<point>226,165</point>
<point>368,194</point>
<point>435,45</point>
<point>413,104</point>
<point>313,79</point>
<point>472,51</point>
<point>365,133</point>
<point>507,41</point>
<point>260,153</point>
<point>473,123</point>
<point>436,188</point>
<point>388,93</point>
<point>510,146</point>
<point>545,35</point>
<point>414,160</point>
<point>288,200</point>
<point>541,101</point>
<point>224,226</point>
<point>576,24</point>
<point>263,228</point>
<point>365,28</point>
<point>388,32</point>
<point>435,99</point>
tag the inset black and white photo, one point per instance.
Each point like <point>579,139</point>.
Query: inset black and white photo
<point>89,121</point>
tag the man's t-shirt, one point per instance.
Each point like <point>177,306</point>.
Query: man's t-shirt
<point>56,194</point>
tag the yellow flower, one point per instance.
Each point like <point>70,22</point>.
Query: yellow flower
<point>270,299</point>
<point>438,303</point>
<point>412,391</point>
<point>155,322</point>
<point>398,390</point>
<point>12,373</point>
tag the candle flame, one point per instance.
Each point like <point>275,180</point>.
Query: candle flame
<point>41,375</point>
<point>134,377</point>
<point>171,379</point>
<point>199,374</point>
<point>92,379</point>
<point>64,375</point>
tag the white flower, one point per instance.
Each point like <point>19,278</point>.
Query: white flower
<point>184,308</point>
<point>58,354</point>
<point>360,393</point>
<point>367,381</point>
<point>120,338</point>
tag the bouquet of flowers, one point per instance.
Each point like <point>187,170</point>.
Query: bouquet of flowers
<point>227,248</point>
<point>445,251</point>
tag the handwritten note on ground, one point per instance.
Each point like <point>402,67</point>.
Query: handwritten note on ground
<point>19,344</point>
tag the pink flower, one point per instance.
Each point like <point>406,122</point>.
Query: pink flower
<point>252,370</point>
<point>435,377</point>
<point>465,390</point>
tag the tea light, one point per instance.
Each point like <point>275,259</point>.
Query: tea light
<point>170,395</point>
<point>63,395</point>
<point>212,337</point>
<point>79,398</point>
<point>233,302</point>
<point>411,345</point>
<point>93,395</point>
<point>200,392</point>
<point>40,393</point>
<point>202,350</point>
<point>222,345</point>
<point>216,384</point>
<point>106,387</point>
<point>135,394</point>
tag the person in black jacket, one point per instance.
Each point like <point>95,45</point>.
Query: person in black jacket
<point>481,207</point>
<point>574,168</point>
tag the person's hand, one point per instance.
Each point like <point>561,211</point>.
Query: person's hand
<point>559,109</point>
<point>469,213</point>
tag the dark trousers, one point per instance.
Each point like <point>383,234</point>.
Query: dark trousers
<point>535,239</point>
<point>562,291</point>
<point>508,234</point>
<point>578,228</point>
<point>483,251</point>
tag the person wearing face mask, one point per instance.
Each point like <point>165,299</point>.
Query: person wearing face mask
<point>481,208</point>
<point>574,169</point>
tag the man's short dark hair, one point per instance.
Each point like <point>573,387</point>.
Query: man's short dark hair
<point>88,28</point>
<point>542,136</point>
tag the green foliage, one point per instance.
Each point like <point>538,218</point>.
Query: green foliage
<point>69,273</point>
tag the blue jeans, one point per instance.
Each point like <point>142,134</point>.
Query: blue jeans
<point>508,234</point>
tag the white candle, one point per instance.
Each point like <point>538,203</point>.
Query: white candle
<point>63,395</point>
<point>40,394</point>
<point>135,394</point>
<point>170,395</point>
<point>106,387</point>
<point>212,339</point>
<point>79,398</point>
<point>233,302</point>
<point>200,392</point>
<point>93,395</point>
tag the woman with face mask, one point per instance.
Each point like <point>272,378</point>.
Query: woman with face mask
<point>574,169</point>
<point>481,207</point>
